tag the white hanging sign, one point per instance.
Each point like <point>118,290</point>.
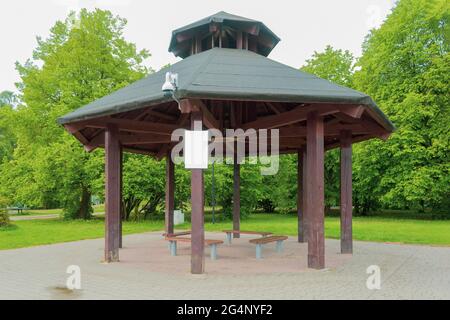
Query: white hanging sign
<point>196,149</point>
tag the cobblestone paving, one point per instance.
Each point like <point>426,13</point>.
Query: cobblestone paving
<point>146,271</point>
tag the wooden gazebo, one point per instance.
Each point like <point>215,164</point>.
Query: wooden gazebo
<point>227,81</point>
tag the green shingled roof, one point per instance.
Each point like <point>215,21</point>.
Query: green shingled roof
<point>221,17</point>
<point>227,74</point>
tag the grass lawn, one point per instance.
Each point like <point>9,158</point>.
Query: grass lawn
<point>380,229</point>
<point>39,232</point>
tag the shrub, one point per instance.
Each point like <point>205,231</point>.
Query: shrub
<point>4,217</point>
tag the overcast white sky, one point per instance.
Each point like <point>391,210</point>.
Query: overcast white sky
<point>304,26</point>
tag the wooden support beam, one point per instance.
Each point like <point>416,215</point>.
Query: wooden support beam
<point>144,138</point>
<point>208,118</point>
<point>239,40</point>
<point>301,186</point>
<point>128,139</point>
<point>346,192</point>
<point>365,137</point>
<point>315,191</point>
<point>187,106</point>
<point>76,132</point>
<point>361,129</point>
<point>355,112</point>
<point>252,43</point>
<point>304,194</point>
<point>234,109</point>
<point>290,142</point>
<point>128,125</point>
<point>197,215</point>
<point>295,115</point>
<point>122,212</point>
<point>112,193</point>
<point>95,142</point>
<point>299,114</point>
<point>196,105</point>
<point>333,129</point>
<point>170,194</point>
<point>236,196</point>
<point>275,109</point>
<point>376,129</point>
<point>300,196</point>
<point>198,44</point>
<point>151,153</point>
<point>161,115</point>
<point>239,113</point>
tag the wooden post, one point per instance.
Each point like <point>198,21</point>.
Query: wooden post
<point>305,193</point>
<point>301,194</point>
<point>239,40</point>
<point>252,44</point>
<point>197,214</point>
<point>112,192</point>
<point>346,191</point>
<point>170,194</point>
<point>121,199</point>
<point>236,195</point>
<point>198,44</point>
<point>315,191</point>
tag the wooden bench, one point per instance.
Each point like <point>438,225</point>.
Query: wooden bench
<point>231,232</point>
<point>211,243</point>
<point>177,234</point>
<point>18,209</point>
<point>262,241</point>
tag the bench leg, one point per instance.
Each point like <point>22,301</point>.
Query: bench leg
<point>173,248</point>
<point>279,246</point>
<point>229,237</point>
<point>213,251</point>
<point>259,251</point>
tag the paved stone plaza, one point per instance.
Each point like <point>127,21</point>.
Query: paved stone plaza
<point>147,271</point>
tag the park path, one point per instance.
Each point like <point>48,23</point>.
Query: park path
<point>42,217</point>
<point>147,271</point>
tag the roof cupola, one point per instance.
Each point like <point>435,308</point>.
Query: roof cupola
<point>223,30</point>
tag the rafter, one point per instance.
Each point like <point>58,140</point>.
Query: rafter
<point>298,114</point>
<point>128,139</point>
<point>295,115</point>
<point>125,125</point>
<point>329,130</point>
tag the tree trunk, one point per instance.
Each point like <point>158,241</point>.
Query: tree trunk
<point>85,211</point>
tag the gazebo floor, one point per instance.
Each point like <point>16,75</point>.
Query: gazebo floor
<point>238,258</point>
<point>147,271</point>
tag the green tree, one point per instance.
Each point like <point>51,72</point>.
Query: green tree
<point>332,64</point>
<point>7,140</point>
<point>8,98</point>
<point>79,62</point>
<point>251,187</point>
<point>143,186</point>
<point>405,67</point>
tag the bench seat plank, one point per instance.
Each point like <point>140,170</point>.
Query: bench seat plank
<point>177,234</point>
<point>183,239</point>
<point>209,242</point>
<point>262,241</point>
<point>268,239</point>
<point>263,233</point>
